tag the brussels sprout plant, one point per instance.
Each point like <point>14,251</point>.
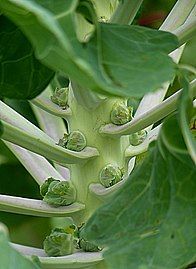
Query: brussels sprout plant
<point>120,176</point>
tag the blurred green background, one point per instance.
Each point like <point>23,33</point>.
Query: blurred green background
<point>15,180</point>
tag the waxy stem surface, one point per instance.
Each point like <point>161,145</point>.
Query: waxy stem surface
<point>111,151</point>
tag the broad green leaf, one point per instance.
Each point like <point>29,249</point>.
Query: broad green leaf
<point>120,60</point>
<point>188,120</point>
<point>135,58</point>
<point>22,76</point>
<point>10,258</point>
<point>150,223</point>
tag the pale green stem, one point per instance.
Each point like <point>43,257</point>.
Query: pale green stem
<point>86,98</point>
<point>55,128</point>
<point>189,68</point>
<point>10,116</point>
<point>126,11</point>
<point>178,15</point>
<point>149,117</point>
<point>43,101</point>
<point>52,125</point>
<point>39,168</point>
<point>150,100</point>
<point>78,259</point>
<point>26,206</point>
<point>45,148</point>
<point>186,31</point>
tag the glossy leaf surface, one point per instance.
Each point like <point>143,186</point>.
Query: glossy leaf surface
<point>150,221</point>
<point>22,76</point>
<point>118,59</point>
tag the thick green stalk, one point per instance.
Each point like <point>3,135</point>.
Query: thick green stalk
<point>111,150</point>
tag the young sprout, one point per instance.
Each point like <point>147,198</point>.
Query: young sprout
<point>84,244</point>
<point>58,193</point>
<point>63,241</point>
<point>110,175</point>
<point>87,246</point>
<point>121,114</point>
<point>60,97</point>
<point>75,141</point>
<point>137,138</point>
<point>59,243</point>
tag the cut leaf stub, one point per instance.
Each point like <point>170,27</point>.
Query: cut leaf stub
<point>58,193</point>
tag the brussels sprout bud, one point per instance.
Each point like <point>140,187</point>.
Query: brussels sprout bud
<point>59,243</point>
<point>88,246</point>
<point>121,114</point>
<point>110,175</point>
<point>58,193</point>
<point>44,187</point>
<point>84,244</point>
<point>75,141</point>
<point>60,97</point>
<point>137,138</point>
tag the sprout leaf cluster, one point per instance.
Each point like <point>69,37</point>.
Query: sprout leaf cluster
<point>121,114</point>
<point>64,241</point>
<point>110,175</point>
<point>60,97</point>
<point>75,141</point>
<point>58,193</point>
<point>137,138</point>
<point>59,243</point>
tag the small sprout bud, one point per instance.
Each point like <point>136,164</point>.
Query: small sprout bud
<point>75,141</point>
<point>84,244</point>
<point>44,187</point>
<point>121,114</point>
<point>60,97</point>
<point>137,138</point>
<point>58,193</point>
<point>88,246</point>
<point>110,175</point>
<point>59,243</point>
